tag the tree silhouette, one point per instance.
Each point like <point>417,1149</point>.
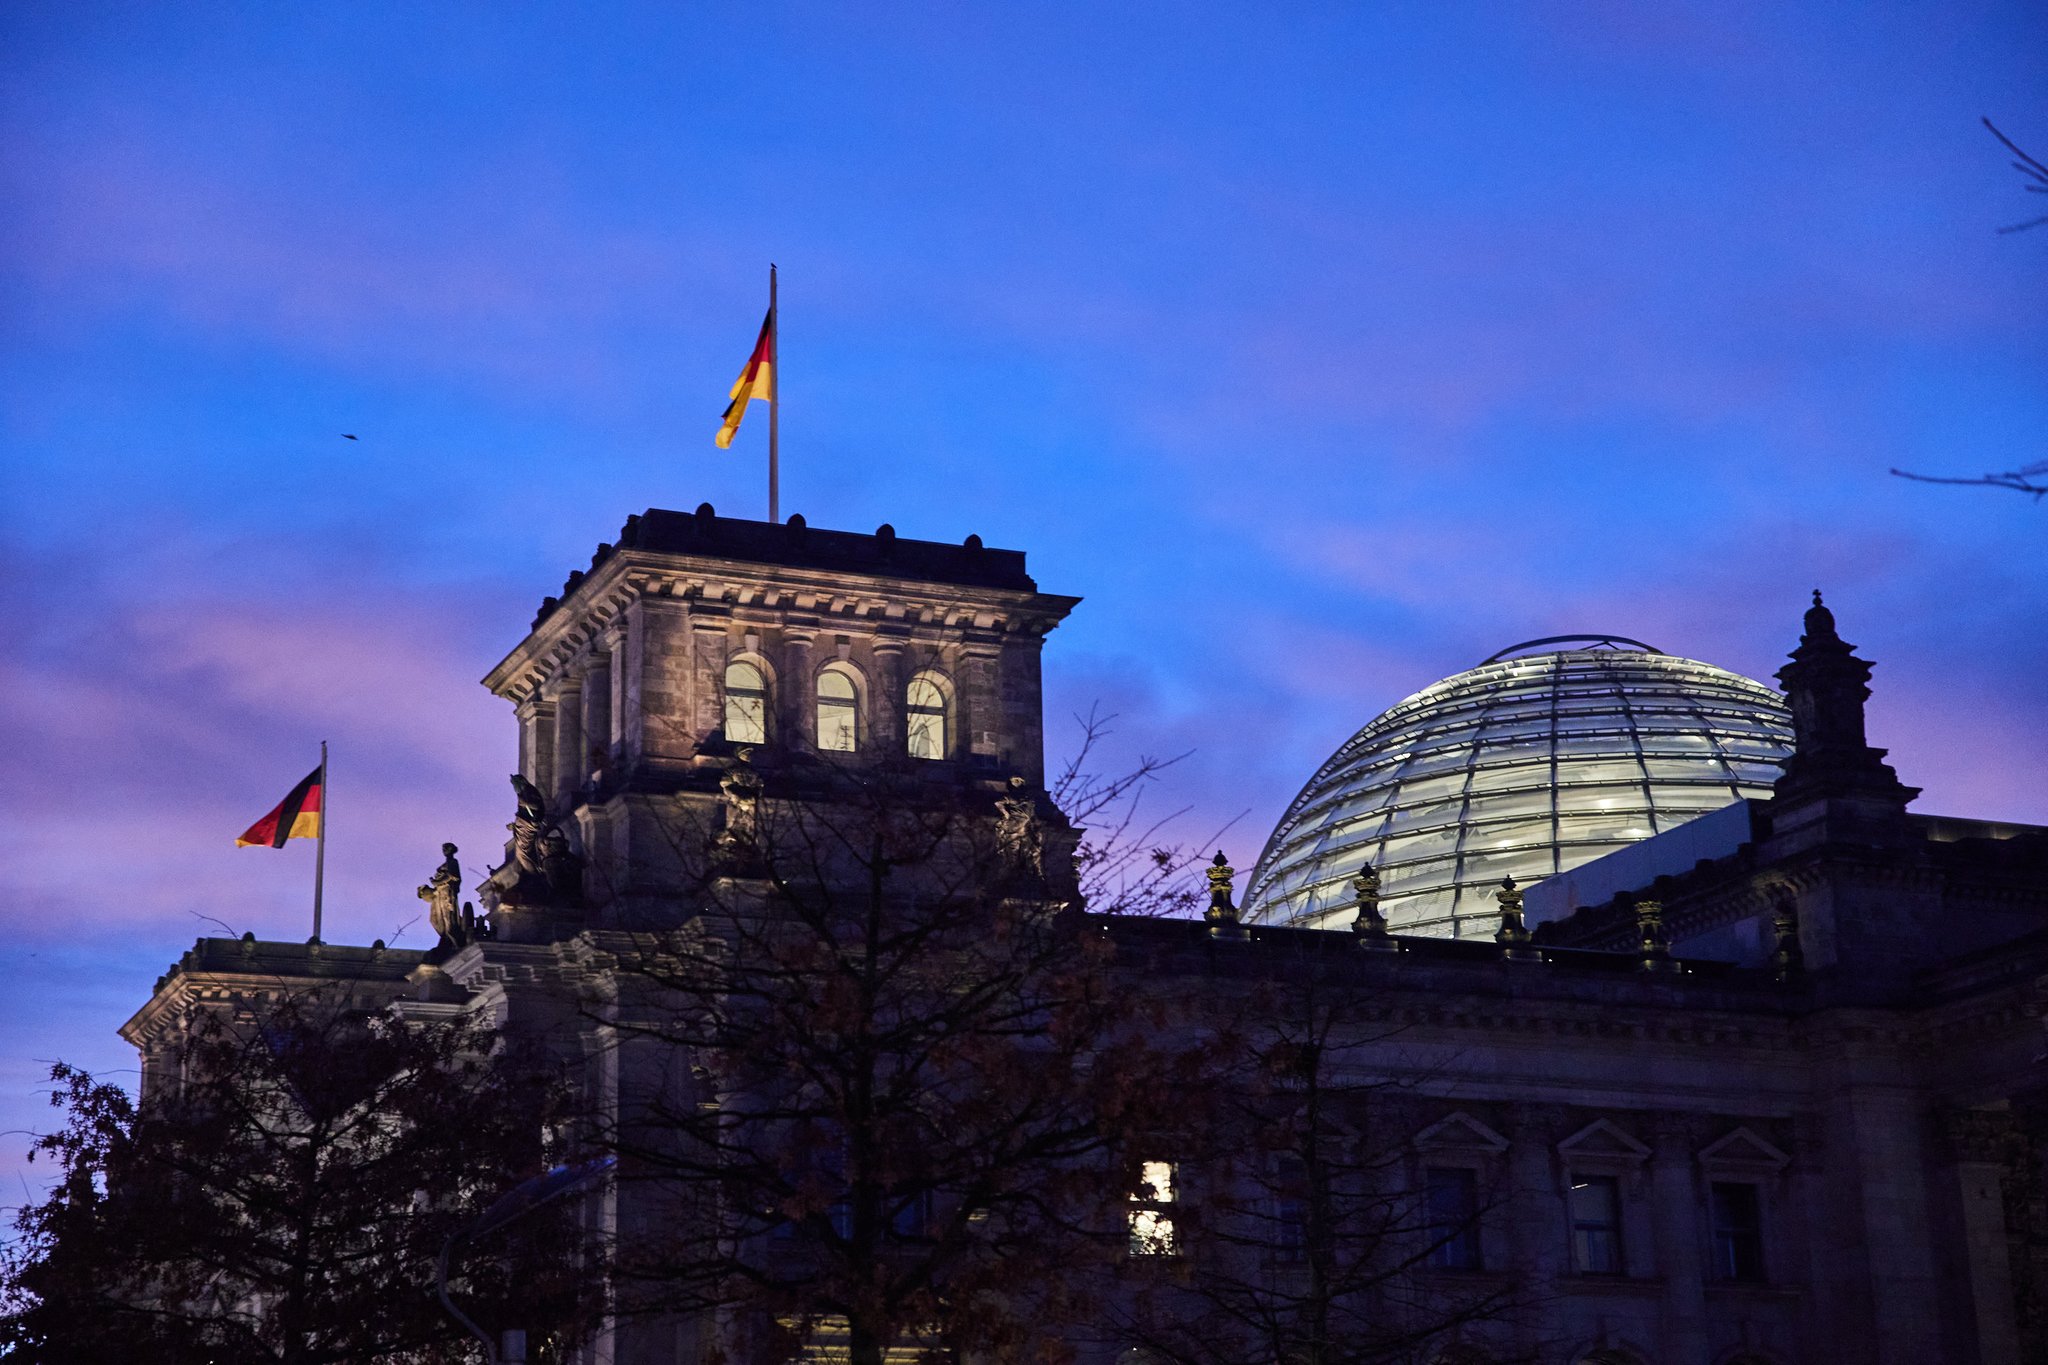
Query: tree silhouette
<point>282,1198</point>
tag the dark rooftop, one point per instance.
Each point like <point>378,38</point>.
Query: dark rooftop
<point>249,955</point>
<point>793,543</point>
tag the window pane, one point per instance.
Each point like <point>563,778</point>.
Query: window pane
<point>838,714</point>
<point>746,704</point>
<point>1738,1232</point>
<point>1290,1209</point>
<point>1453,1218</point>
<point>1596,1224</point>
<point>925,717</point>
<point>1151,1217</point>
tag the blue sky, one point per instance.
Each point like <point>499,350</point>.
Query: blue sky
<point>1324,350</point>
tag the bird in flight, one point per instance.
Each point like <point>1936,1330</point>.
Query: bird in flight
<point>346,436</point>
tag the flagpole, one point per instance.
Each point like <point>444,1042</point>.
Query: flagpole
<point>774,392</point>
<point>320,847</point>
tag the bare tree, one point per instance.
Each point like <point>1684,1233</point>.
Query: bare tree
<point>283,1198</point>
<point>1302,1234</point>
<point>2031,171</point>
<point>876,1088</point>
<point>2029,479</point>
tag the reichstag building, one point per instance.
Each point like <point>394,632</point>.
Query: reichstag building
<point>1691,1040</point>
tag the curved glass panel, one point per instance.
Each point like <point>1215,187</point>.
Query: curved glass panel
<point>1522,767</point>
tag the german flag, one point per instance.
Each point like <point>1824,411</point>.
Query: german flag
<point>296,817</point>
<point>757,380</point>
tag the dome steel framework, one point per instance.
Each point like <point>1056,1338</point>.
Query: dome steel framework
<point>1528,765</point>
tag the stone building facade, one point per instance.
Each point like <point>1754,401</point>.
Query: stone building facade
<point>1781,1106</point>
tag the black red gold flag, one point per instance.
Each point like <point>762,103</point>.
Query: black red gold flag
<point>296,817</point>
<point>757,380</point>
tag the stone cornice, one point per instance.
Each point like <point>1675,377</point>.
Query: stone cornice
<point>767,594</point>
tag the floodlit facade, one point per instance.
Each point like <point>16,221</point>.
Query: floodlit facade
<point>1548,755</point>
<point>1780,1100</point>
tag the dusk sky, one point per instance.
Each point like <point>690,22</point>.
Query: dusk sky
<point>1324,350</point>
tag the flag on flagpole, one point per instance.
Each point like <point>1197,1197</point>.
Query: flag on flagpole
<point>757,380</point>
<point>296,817</point>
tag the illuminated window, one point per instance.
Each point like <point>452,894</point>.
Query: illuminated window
<point>924,709</point>
<point>1453,1210</point>
<point>1151,1214</point>
<point>838,711</point>
<point>746,704</point>
<point>1596,1224</point>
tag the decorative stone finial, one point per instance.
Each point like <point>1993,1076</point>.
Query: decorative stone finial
<point>1370,926</point>
<point>1655,953</point>
<point>1820,622</point>
<point>1513,935</point>
<point>1222,914</point>
<point>1826,686</point>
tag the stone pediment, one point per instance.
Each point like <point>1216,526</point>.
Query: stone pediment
<point>1744,1150</point>
<point>1460,1132</point>
<point>1603,1141</point>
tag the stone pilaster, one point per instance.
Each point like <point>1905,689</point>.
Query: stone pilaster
<point>1977,1143</point>
<point>1680,1239</point>
<point>568,767</point>
<point>796,697</point>
<point>597,714</point>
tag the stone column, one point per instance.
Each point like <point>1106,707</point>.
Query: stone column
<point>597,715</point>
<point>795,696</point>
<point>617,642</point>
<point>568,756</point>
<point>981,719</point>
<point>1536,1229</point>
<point>1675,1190</point>
<point>1022,741</point>
<point>708,652</point>
<point>537,742</point>
<point>885,700</point>
<point>1976,1140</point>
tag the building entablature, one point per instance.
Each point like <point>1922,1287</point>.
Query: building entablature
<point>697,638</point>
<point>756,574</point>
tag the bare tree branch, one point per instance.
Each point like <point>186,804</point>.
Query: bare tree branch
<point>2027,166</point>
<point>2031,480</point>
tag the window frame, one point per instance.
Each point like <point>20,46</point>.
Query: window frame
<point>1614,1228</point>
<point>856,684</point>
<point>1722,1240</point>
<point>1457,1248</point>
<point>942,687</point>
<point>1163,1237</point>
<point>759,668</point>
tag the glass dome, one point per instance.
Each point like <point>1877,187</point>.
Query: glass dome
<point>1544,757</point>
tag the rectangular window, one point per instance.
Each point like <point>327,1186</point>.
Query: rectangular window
<point>1596,1224</point>
<point>1738,1232</point>
<point>1151,1212</point>
<point>1453,1218</point>
<point>1290,1210</point>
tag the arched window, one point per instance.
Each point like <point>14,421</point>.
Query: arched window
<point>924,714</point>
<point>838,711</point>
<point>746,703</point>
